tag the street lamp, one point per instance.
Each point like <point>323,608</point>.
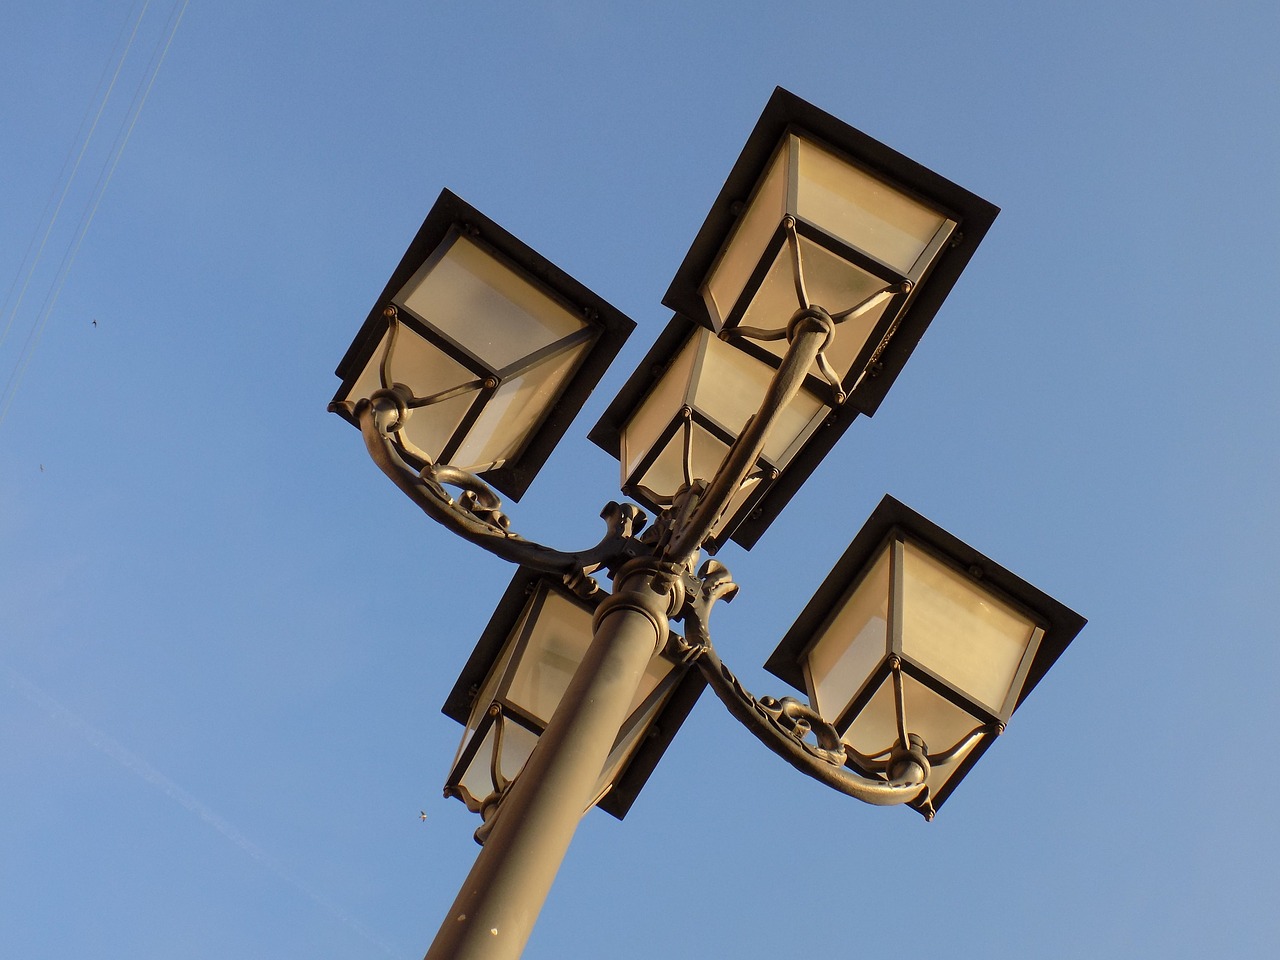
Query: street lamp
<point>817,218</point>
<point>819,267</point>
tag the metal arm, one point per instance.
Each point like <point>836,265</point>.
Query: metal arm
<point>477,515</point>
<point>784,725</point>
<point>781,725</point>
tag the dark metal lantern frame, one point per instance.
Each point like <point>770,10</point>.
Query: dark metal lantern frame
<point>607,328</point>
<point>607,433</point>
<point>907,317</point>
<point>893,520</point>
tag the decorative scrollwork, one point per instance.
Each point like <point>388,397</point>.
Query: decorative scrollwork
<point>775,726</point>
<point>785,725</point>
<point>715,583</point>
<point>477,514</point>
<point>799,720</point>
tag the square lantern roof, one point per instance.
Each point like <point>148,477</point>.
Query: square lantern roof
<point>449,217</point>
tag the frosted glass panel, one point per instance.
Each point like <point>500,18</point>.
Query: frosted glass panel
<point>557,633</point>
<point>659,408</point>
<point>484,305</point>
<point>732,385</point>
<point>833,284</point>
<point>425,370</point>
<point>959,631</point>
<point>485,698</point>
<point>748,241</point>
<point>939,722</point>
<point>863,211</point>
<point>517,744</point>
<point>556,645</point>
<point>514,412</point>
<point>666,474</point>
<point>852,644</point>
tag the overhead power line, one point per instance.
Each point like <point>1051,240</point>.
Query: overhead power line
<point>112,159</point>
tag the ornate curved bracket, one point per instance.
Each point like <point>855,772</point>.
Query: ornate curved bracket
<point>477,514</point>
<point>784,726</point>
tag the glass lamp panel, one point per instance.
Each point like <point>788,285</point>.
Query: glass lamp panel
<point>514,412</point>
<point>730,387</point>
<point>480,705</point>
<point>959,631</point>
<point>736,504</point>
<point>666,474</point>
<point>938,721</point>
<point>517,745</point>
<point>485,305</point>
<point>660,407</point>
<point>852,644</point>
<point>864,211</point>
<point>557,640</point>
<point>832,283</point>
<point>748,241</point>
<point>423,368</point>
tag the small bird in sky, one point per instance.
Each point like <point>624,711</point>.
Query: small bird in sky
<point>422,814</point>
<point>42,468</point>
<point>95,323</point>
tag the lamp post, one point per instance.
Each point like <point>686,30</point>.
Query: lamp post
<point>820,265</point>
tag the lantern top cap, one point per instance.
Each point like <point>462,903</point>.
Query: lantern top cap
<point>785,112</point>
<point>891,520</point>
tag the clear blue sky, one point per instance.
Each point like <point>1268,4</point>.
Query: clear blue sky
<point>225,637</point>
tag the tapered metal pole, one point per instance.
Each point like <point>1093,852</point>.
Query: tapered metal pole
<point>498,904</point>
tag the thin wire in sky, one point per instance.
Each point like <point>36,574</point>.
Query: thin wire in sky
<point>143,91</point>
<point>29,264</point>
<point>134,763</point>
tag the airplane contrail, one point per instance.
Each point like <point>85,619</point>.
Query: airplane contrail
<point>131,761</point>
